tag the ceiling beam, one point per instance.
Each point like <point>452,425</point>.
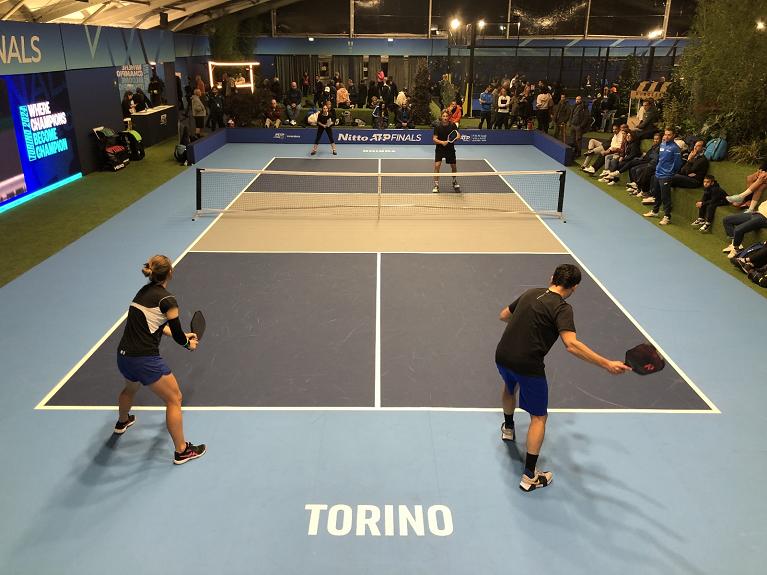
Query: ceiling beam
<point>254,8</point>
<point>16,7</point>
<point>131,14</point>
<point>61,9</point>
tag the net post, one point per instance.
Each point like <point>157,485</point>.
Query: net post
<point>561,199</point>
<point>198,191</point>
<point>379,190</point>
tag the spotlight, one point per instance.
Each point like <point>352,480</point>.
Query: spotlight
<point>390,39</point>
<point>311,39</point>
<point>657,33</point>
<point>481,24</point>
<point>760,25</point>
<point>454,23</point>
<point>503,27</point>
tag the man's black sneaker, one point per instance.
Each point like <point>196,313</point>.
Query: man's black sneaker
<point>122,426</point>
<point>456,187</point>
<point>191,452</point>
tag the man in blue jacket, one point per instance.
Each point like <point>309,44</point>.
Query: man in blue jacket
<point>486,103</point>
<point>669,162</point>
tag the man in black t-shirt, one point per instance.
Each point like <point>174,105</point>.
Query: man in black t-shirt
<point>444,149</point>
<point>535,320</point>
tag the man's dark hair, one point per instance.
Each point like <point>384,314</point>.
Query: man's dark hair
<point>709,177</point>
<point>566,276</point>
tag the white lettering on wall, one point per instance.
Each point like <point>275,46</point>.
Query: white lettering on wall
<point>19,49</point>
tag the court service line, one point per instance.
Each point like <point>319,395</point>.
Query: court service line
<point>362,252</point>
<point>671,362</point>
<point>110,331</point>
<point>378,333</point>
<point>224,408</point>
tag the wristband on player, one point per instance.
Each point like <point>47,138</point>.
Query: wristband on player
<point>186,345</point>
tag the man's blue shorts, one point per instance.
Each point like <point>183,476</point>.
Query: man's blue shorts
<point>533,390</point>
<point>145,368</point>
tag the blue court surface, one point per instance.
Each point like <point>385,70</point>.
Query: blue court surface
<point>352,409</point>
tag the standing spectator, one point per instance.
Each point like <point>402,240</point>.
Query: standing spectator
<point>561,115</point>
<point>393,85</point>
<point>127,104</point>
<point>215,109</point>
<point>199,85</point>
<point>596,112</point>
<point>305,84</point>
<point>544,103</point>
<point>362,94</point>
<point>273,115</point>
<point>502,115</point>
<point>609,107</point>
<point>140,101</point>
<point>276,89</point>
<point>387,95</point>
<point>713,197</point>
<point>526,106</point>
<point>494,108</point>
<point>580,120</point>
<point>293,101</point>
<point>669,162</point>
<point>319,90</point>
<point>373,92</point>
<point>486,105</point>
<point>156,89</point>
<point>198,112</point>
<point>351,87</point>
<point>227,88</point>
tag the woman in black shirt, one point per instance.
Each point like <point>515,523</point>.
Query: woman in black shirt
<point>325,120</point>
<point>152,313</point>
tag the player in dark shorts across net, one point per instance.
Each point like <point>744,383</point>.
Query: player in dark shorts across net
<point>445,131</point>
<point>152,313</point>
<point>535,320</point>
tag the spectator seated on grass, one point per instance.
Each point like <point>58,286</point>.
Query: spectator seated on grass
<point>597,150</point>
<point>381,115</point>
<point>642,169</point>
<point>647,125</point>
<point>691,173</point>
<point>343,100</point>
<point>273,115</point>
<point>757,183</point>
<point>404,117</point>
<point>736,226</point>
<point>293,99</point>
<point>713,197</point>
<point>630,151</point>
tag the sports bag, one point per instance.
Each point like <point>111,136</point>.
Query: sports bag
<point>716,150</point>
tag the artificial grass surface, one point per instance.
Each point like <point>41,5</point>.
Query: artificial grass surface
<point>45,225</point>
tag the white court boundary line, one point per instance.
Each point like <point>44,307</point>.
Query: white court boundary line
<point>714,410</point>
<point>92,350</point>
<point>395,409</point>
<point>671,362</point>
<point>367,253</point>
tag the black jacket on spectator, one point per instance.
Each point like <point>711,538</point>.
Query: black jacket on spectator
<point>561,112</point>
<point>632,150</point>
<point>293,96</point>
<point>580,117</point>
<point>651,117</point>
<point>698,166</point>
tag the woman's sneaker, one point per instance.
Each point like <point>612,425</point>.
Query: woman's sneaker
<point>191,452</point>
<point>122,426</point>
<point>540,479</point>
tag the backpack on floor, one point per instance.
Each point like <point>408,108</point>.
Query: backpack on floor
<point>131,139</point>
<point>179,153</point>
<point>716,150</point>
<point>759,276</point>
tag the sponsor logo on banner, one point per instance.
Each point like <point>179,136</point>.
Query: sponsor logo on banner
<point>279,135</point>
<point>392,137</point>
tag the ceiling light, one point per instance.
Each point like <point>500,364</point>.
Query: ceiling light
<point>760,25</point>
<point>481,24</point>
<point>657,33</point>
<point>390,39</point>
<point>311,39</point>
<point>454,23</point>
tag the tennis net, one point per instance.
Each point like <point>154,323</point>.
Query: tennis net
<point>380,195</point>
